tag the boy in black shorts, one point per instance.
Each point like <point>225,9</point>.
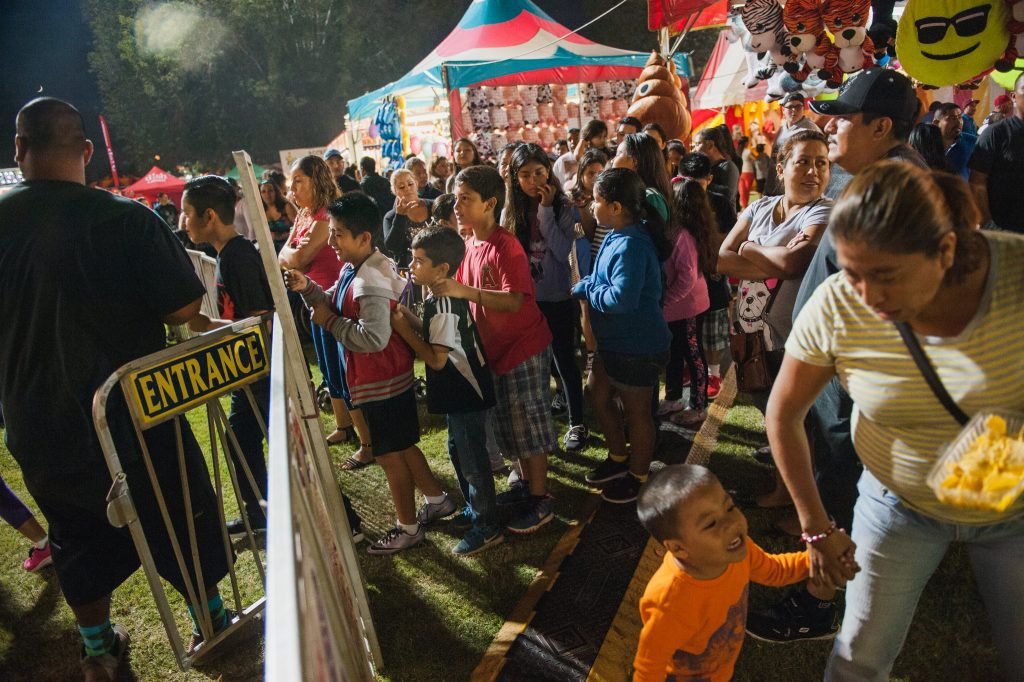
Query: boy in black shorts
<point>378,375</point>
<point>242,291</point>
<point>459,382</point>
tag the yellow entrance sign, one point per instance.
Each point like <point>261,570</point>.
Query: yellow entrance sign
<point>179,384</point>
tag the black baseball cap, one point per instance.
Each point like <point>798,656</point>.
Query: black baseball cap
<point>883,92</point>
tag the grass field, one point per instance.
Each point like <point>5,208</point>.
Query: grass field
<point>435,614</point>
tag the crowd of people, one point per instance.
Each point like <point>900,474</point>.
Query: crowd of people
<point>838,247</point>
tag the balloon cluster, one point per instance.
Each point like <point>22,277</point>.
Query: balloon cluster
<point>389,126</point>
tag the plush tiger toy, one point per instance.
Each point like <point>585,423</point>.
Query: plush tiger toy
<point>847,21</point>
<point>807,39</point>
<point>763,18</point>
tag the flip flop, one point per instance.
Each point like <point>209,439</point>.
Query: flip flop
<point>353,464</point>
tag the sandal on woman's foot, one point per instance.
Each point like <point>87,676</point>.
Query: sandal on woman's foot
<point>341,435</point>
<point>353,464</point>
<point>689,418</point>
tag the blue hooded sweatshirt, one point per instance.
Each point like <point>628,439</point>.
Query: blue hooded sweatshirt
<point>624,292</point>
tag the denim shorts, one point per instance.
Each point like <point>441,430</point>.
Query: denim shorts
<point>633,370</point>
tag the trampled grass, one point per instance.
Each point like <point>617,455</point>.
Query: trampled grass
<point>436,614</point>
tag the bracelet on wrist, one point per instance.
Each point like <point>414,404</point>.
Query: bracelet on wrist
<point>818,537</point>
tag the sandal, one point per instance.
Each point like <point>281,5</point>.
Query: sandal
<point>341,435</point>
<point>353,464</point>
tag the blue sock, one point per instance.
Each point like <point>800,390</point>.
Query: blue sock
<point>98,639</point>
<point>218,614</point>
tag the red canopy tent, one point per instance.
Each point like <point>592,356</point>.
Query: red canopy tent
<point>153,183</point>
<point>675,14</point>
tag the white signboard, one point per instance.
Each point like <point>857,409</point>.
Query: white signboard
<point>290,156</point>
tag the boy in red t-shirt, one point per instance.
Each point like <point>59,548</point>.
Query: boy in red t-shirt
<point>694,608</point>
<point>495,278</point>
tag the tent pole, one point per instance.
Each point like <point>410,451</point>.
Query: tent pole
<point>448,98</point>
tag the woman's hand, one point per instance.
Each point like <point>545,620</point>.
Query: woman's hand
<point>832,560</point>
<point>449,287</point>
<point>295,280</point>
<point>547,194</point>
<point>404,207</point>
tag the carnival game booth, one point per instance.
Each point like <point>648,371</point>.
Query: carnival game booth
<point>507,72</point>
<point>156,181</point>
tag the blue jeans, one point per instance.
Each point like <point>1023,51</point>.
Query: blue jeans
<point>467,448</point>
<point>898,550</point>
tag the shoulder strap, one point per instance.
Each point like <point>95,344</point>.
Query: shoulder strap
<point>934,383</point>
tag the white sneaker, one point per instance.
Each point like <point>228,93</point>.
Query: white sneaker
<point>395,540</point>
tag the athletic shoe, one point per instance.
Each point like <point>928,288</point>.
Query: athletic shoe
<point>429,512</point>
<point>622,490</point>
<point>539,513</point>
<point>197,636</point>
<point>793,620</point>
<point>357,535</point>
<point>714,386</point>
<point>236,528</point>
<point>608,470</point>
<point>395,540</point>
<point>477,540</point>
<point>667,407</point>
<point>463,520</point>
<point>558,404</point>
<point>519,492</point>
<point>576,438</point>
<point>105,667</point>
<point>37,558</point>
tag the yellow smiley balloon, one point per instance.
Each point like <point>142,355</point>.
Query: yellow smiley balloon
<point>946,42</point>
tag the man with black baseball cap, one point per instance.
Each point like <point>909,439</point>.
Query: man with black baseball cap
<point>336,162</point>
<point>869,121</point>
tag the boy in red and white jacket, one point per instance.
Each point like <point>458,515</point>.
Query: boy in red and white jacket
<point>378,376</point>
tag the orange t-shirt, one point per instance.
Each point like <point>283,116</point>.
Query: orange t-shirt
<point>693,629</point>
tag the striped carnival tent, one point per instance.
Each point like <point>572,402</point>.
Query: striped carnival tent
<point>507,42</point>
<point>721,85</point>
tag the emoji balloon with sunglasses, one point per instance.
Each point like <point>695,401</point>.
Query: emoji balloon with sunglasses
<point>948,42</point>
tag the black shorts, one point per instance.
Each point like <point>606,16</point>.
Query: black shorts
<point>92,557</point>
<point>394,423</point>
<point>631,371</point>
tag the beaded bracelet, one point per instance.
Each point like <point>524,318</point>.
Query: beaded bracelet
<point>814,539</point>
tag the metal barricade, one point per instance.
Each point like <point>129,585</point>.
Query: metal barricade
<point>314,590</point>
<point>164,386</point>
<point>206,270</point>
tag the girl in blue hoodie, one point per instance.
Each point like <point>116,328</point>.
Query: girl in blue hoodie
<point>624,292</point>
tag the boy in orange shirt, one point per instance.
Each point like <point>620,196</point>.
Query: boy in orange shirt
<point>694,609</point>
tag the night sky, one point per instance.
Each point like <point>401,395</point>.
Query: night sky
<point>46,43</point>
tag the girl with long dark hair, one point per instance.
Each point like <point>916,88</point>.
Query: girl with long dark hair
<point>543,220</point>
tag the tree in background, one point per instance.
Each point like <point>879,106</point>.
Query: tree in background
<point>193,80</point>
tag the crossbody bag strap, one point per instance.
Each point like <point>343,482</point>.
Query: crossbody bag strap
<point>930,376</point>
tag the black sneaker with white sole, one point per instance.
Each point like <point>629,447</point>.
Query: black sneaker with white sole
<point>622,490</point>
<point>608,470</point>
<point>576,438</point>
<point>798,617</point>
